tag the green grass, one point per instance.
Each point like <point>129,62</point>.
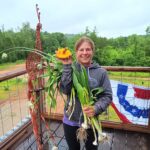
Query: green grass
<point>138,78</point>
<point>130,74</point>
<point>10,86</point>
<point>111,116</point>
<point>5,66</point>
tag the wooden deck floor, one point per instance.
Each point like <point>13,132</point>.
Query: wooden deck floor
<point>118,140</point>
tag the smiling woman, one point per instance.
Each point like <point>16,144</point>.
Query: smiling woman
<point>84,51</point>
<point>88,92</point>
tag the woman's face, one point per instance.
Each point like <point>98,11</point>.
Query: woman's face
<point>84,54</point>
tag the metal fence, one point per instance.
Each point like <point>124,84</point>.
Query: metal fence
<point>13,104</point>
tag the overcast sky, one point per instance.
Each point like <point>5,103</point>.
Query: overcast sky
<point>112,18</point>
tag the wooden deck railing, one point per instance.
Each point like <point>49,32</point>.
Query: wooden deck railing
<point>105,123</point>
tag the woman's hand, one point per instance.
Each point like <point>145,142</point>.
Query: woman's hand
<point>66,60</point>
<point>89,111</point>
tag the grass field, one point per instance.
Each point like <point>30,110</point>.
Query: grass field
<point>136,78</point>
<point>9,86</point>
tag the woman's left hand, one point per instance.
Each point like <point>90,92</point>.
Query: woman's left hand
<point>89,111</point>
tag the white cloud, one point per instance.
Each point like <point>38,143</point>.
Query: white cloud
<point>112,18</point>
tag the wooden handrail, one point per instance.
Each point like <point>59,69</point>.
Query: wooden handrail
<point>22,71</point>
<point>12,74</point>
<point>127,69</point>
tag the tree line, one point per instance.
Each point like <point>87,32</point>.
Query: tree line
<point>133,50</point>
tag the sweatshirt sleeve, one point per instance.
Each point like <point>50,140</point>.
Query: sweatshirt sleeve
<point>105,98</point>
<point>66,79</point>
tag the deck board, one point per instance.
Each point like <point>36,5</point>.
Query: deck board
<point>119,140</point>
<point>132,140</point>
<point>107,145</point>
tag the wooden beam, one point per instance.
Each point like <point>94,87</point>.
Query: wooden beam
<point>127,69</point>
<point>17,137</point>
<point>128,127</point>
<point>106,124</point>
<point>149,122</point>
<point>12,74</point>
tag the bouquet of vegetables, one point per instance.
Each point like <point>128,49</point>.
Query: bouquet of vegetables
<point>87,97</point>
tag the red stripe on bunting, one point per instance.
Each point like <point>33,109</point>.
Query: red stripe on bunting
<point>120,115</point>
<point>141,93</point>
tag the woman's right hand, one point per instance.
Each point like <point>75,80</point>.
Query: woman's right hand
<point>66,60</point>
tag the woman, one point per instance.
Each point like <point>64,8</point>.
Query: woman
<point>97,77</point>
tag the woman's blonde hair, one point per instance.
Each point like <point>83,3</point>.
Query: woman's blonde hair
<point>84,39</point>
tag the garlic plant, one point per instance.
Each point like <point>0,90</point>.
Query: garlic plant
<point>86,97</point>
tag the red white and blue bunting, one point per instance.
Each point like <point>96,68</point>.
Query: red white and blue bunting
<point>131,103</point>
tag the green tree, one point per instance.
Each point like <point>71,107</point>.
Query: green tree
<point>148,30</point>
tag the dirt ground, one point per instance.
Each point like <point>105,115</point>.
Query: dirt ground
<point>18,66</point>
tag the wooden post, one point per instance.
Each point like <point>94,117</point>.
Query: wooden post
<point>149,121</point>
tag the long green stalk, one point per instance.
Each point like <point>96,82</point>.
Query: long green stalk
<point>87,98</point>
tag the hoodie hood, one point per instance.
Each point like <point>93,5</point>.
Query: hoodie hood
<point>93,65</point>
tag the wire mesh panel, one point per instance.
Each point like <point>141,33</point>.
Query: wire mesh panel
<point>13,105</point>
